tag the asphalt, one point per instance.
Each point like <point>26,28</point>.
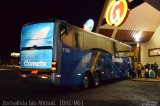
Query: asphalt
<point>8,67</point>
<point>16,67</point>
<point>110,93</point>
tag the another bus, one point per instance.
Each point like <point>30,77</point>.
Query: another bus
<point>56,52</point>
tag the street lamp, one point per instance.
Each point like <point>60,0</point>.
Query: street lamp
<point>15,54</point>
<point>15,58</point>
<point>137,37</point>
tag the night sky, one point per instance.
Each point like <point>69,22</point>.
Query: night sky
<point>15,13</point>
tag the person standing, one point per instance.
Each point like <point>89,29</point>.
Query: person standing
<point>132,72</point>
<point>139,67</point>
<point>155,69</point>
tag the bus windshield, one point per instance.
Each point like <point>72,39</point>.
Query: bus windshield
<point>39,34</point>
<point>37,31</point>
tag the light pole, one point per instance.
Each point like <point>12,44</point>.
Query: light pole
<point>139,53</point>
<point>137,39</point>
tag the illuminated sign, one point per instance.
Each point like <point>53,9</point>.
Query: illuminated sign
<point>39,34</point>
<point>41,58</point>
<point>118,60</point>
<point>116,12</point>
<point>15,54</point>
<point>29,63</point>
<point>89,25</point>
<point>34,36</point>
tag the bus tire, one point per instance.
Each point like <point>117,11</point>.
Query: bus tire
<point>96,79</point>
<point>86,81</point>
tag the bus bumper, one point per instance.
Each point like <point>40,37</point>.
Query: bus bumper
<point>40,79</point>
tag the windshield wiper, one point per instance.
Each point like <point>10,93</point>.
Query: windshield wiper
<point>36,47</point>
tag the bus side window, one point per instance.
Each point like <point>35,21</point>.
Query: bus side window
<point>66,35</point>
<point>77,40</point>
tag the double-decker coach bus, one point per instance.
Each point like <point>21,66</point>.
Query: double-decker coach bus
<point>56,52</point>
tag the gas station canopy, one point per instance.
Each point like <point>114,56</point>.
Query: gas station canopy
<point>142,20</point>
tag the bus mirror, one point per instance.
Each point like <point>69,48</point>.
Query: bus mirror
<point>66,30</point>
<point>63,29</point>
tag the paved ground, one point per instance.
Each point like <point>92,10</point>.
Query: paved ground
<point>148,79</point>
<point>111,93</point>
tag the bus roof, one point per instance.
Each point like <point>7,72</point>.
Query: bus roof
<point>100,35</point>
<point>93,33</point>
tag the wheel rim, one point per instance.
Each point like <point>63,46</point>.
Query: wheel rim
<point>128,75</point>
<point>85,82</point>
<point>96,81</point>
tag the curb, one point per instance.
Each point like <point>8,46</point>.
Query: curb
<point>146,80</point>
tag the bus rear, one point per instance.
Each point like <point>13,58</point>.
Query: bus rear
<point>37,60</point>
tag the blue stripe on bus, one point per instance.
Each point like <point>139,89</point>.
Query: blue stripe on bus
<point>75,62</point>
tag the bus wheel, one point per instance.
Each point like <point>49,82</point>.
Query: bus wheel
<point>86,81</point>
<point>96,80</point>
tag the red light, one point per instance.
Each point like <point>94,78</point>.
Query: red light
<point>54,63</point>
<point>34,72</point>
<point>54,66</point>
